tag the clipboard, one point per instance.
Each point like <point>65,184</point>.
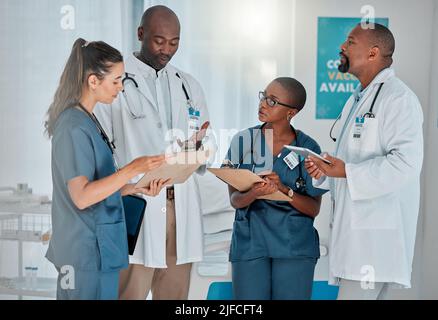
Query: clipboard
<point>243,180</point>
<point>177,168</point>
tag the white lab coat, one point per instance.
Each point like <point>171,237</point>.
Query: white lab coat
<point>374,221</point>
<point>145,137</point>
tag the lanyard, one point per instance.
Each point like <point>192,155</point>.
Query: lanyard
<point>369,114</point>
<point>184,89</point>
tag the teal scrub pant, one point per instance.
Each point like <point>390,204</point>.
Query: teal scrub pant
<point>273,279</point>
<point>89,285</point>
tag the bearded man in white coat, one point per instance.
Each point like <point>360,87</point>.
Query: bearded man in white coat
<point>374,176</point>
<point>159,98</point>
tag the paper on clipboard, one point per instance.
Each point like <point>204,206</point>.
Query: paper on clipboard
<point>177,168</point>
<point>243,180</point>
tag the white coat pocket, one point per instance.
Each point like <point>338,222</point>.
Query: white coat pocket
<point>113,246</point>
<point>375,214</point>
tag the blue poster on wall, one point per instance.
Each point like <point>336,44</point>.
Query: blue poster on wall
<point>333,87</point>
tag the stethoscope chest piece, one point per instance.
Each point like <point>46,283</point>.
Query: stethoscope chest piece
<point>300,184</point>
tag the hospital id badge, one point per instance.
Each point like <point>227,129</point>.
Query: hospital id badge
<point>194,116</point>
<point>358,127</point>
<point>292,160</point>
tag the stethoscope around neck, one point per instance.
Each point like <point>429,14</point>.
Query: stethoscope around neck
<point>300,182</point>
<point>369,114</point>
<point>138,115</point>
<point>102,132</point>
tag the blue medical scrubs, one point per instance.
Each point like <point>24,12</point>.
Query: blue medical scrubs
<point>274,247</point>
<point>91,242</point>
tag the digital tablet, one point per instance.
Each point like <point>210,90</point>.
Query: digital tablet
<point>134,208</point>
<point>304,152</point>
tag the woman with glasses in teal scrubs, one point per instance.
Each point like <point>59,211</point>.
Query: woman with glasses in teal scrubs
<point>274,246</point>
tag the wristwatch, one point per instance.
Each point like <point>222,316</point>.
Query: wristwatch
<point>290,193</point>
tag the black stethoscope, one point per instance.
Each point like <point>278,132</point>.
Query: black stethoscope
<point>300,183</point>
<point>139,115</point>
<point>103,134</point>
<point>369,114</point>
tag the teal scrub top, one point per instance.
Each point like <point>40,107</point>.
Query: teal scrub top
<point>267,228</point>
<point>93,239</point>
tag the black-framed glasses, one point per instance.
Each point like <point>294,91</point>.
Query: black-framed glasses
<point>272,102</point>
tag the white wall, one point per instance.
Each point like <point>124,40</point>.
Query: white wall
<point>33,52</point>
<point>429,280</point>
<point>411,24</point>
